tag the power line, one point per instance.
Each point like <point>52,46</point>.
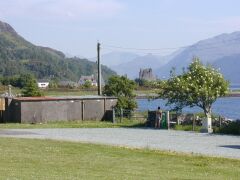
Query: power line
<point>142,49</point>
<point>106,46</point>
<point>136,52</point>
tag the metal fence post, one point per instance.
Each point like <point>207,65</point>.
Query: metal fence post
<point>113,116</point>
<point>178,120</point>
<point>194,123</point>
<point>220,121</point>
<point>121,114</point>
<point>168,120</point>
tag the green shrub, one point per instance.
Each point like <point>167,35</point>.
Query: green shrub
<point>187,128</point>
<point>231,128</point>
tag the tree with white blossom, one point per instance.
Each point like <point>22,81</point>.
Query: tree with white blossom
<point>198,86</point>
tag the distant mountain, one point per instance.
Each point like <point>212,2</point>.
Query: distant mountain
<point>116,58</point>
<point>126,63</point>
<point>230,67</point>
<point>132,68</point>
<point>222,47</point>
<point>20,56</point>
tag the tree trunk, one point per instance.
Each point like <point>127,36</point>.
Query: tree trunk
<point>207,121</point>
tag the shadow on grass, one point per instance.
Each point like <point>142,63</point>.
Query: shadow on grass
<point>140,125</point>
<point>76,124</point>
<point>231,146</point>
<point>11,132</point>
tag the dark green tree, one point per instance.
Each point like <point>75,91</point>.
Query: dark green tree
<point>87,84</point>
<point>53,83</point>
<point>30,88</point>
<point>199,85</point>
<point>123,89</point>
<point>23,80</point>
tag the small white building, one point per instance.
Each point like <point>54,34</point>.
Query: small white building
<point>43,84</point>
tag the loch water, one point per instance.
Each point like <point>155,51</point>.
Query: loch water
<point>228,107</point>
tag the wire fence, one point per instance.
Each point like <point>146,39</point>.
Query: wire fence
<point>119,115</point>
<point>169,119</point>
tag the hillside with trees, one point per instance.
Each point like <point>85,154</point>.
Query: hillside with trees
<point>18,56</point>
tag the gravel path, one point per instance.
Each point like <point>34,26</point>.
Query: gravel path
<point>179,141</point>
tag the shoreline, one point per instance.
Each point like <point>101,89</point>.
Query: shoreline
<point>153,95</point>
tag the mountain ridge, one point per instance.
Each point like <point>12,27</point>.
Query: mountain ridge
<point>134,66</point>
<point>217,51</point>
<point>5,27</point>
<point>209,51</point>
<point>18,55</point>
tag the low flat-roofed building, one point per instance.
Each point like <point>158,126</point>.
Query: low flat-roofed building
<point>46,109</point>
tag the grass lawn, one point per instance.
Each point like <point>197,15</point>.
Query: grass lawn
<point>47,159</point>
<point>187,128</point>
<point>75,124</point>
<point>69,92</point>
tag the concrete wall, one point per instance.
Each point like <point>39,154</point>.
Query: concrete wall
<point>45,111</point>
<point>110,103</point>
<point>60,110</point>
<point>93,109</point>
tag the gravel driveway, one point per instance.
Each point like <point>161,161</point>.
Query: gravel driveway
<point>179,141</point>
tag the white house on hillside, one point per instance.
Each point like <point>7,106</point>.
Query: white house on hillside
<point>43,84</point>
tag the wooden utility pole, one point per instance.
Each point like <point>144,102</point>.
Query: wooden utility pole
<point>99,70</point>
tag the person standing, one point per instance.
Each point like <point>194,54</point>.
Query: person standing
<point>158,117</point>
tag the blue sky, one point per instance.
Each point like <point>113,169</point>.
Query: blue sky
<point>74,26</point>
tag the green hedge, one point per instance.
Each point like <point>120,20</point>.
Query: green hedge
<point>231,128</point>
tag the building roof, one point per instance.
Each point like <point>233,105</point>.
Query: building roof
<point>91,77</point>
<point>62,98</point>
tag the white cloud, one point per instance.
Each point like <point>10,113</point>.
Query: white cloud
<point>60,9</point>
